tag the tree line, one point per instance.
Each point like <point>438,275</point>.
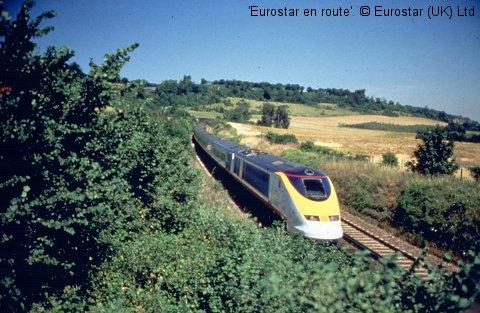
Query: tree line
<point>185,92</point>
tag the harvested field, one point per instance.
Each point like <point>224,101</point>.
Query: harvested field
<point>325,131</point>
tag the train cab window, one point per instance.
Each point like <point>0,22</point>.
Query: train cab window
<point>314,189</point>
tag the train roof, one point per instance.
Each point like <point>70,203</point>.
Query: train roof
<point>268,162</point>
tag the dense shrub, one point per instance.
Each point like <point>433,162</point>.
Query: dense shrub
<point>224,264</point>
<point>280,138</point>
<point>328,153</point>
<point>434,155</point>
<point>389,159</point>
<point>441,211</point>
<point>268,112</point>
<point>81,170</point>
<point>241,113</point>
<point>280,117</point>
<point>475,171</point>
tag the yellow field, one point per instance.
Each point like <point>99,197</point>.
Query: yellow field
<point>325,131</point>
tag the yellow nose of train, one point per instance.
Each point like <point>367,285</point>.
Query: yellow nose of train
<point>315,199</point>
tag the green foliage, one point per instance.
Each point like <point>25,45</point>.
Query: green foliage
<point>390,127</point>
<point>328,153</point>
<point>389,159</point>
<point>276,116</point>
<point>475,171</point>
<point>84,168</point>
<point>268,111</point>
<point>241,113</point>
<point>224,130</point>
<point>221,263</point>
<point>441,212</point>
<point>279,138</point>
<point>184,93</point>
<point>434,155</point>
<point>361,197</point>
<point>280,117</point>
<point>457,132</point>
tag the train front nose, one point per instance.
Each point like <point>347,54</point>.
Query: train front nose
<point>320,230</point>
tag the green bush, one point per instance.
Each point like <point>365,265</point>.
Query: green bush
<point>442,212</point>
<point>223,264</point>
<point>268,112</point>
<point>475,171</point>
<point>280,117</point>
<point>87,170</point>
<point>309,146</point>
<point>328,153</point>
<point>389,159</point>
<point>241,113</point>
<point>279,138</point>
<point>438,210</point>
<point>435,155</point>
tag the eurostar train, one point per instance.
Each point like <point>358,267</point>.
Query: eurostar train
<point>304,197</point>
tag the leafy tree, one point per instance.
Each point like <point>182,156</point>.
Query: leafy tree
<point>241,113</point>
<point>455,131</point>
<point>434,156</point>
<point>80,169</point>
<point>268,112</point>
<point>389,159</point>
<point>281,118</point>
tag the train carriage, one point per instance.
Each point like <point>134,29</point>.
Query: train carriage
<point>304,197</point>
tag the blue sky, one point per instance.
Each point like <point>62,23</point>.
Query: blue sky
<point>415,61</point>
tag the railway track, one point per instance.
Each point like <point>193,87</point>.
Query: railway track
<point>378,246</point>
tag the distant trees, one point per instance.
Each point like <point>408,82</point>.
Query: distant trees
<point>458,132</point>
<point>268,111</point>
<point>188,93</point>
<point>185,93</point>
<point>276,116</point>
<point>241,113</point>
<point>434,155</point>
<point>281,118</point>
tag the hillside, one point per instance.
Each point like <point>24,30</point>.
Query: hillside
<point>186,93</point>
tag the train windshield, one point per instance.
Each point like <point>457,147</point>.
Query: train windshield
<point>314,189</point>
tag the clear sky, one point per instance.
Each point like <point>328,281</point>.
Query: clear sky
<point>415,61</point>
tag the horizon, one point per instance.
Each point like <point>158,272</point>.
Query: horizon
<point>413,61</point>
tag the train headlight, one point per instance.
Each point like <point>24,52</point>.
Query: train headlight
<point>312,218</point>
<point>334,218</point>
